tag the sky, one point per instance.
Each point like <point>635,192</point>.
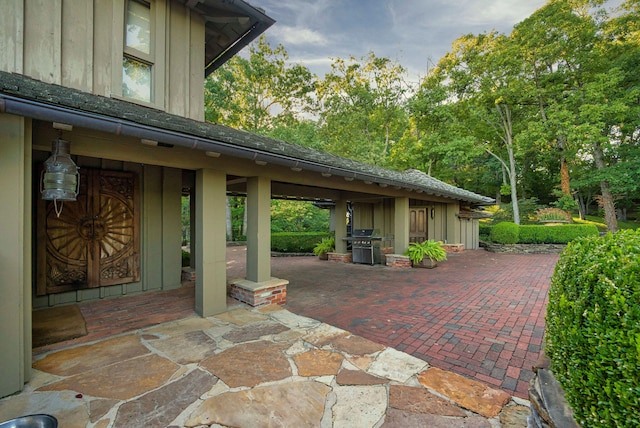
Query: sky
<point>415,33</point>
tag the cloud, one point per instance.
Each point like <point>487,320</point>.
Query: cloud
<point>416,33</point>
<point>298,36</point>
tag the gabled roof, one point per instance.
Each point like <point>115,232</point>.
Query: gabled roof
<point>27,97</point>
<point>229,27</point>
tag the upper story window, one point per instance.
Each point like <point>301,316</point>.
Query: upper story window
<point>138,54</point>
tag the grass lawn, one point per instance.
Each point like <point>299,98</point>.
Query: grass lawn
<point>602,227</point>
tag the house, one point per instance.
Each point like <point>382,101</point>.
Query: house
<point>118,84</point>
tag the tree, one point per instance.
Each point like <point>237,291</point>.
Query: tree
<point>253,93</point>
<point>478,74</point>
<point>581,63</point>
<point>264,94</point>
<point>361,107</point>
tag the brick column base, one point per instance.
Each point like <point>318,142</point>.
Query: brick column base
<point>453,248</point>
<point>340,257</point>
<point>273,291</point>
<point>398,260</point>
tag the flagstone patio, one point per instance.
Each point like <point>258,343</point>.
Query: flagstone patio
<point>252,368</point>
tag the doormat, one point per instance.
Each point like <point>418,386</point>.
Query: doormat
<point>57,324</point>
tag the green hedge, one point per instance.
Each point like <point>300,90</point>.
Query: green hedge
<point>511,233</point>
<point>485,230</point>
<point>560,234</point>
<point>296,242</point>
<point>593,328</point>
<point>505,233</point>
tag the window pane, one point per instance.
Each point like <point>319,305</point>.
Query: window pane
<point>136,80</point>
<point>138,34</point>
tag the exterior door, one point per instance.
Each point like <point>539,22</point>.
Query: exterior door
<point>95,240</point>
<point>417,224</point>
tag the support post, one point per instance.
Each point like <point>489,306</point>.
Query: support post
<point>211,251</point>
<point>401,225</point>
<point>453,224</point>
<point>341,226</point>
<point>15,253</point>
<point>258,229</point>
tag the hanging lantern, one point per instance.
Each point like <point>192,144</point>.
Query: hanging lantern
<point>60,179</point>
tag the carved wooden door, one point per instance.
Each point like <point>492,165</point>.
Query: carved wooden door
<point>94,242</point>
<point>417,224</point>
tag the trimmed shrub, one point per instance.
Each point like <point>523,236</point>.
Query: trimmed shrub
<point>296,242</point>
<point>559,234</point>
<point>485,231</point>
<point>593,328</point>
<point>505,233</point>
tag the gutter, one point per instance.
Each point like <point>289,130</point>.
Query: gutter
<point>55,113</point>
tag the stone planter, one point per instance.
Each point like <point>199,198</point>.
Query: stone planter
<point>426,263</point>
<point>323,256</point>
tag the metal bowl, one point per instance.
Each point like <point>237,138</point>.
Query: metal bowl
<point>31,421</point>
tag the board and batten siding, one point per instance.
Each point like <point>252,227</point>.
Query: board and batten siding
<point>469,232</point>
<point>160,215</point>
<point>79,44</point>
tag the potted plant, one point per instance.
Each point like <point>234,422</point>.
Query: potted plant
<point>324,247</point>
<point>426,253</point>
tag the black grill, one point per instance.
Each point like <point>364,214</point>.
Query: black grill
<point>362,246</point>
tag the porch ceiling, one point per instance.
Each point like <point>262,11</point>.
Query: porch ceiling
<point>229,27</point>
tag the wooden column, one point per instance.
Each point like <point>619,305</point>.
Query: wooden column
<point>258,229</point>
<point>453,224</point>
<point>15,253</point>
<point>401,226</point>
<point>211,249</point>
<point>171,228</point>
<point>341,226</point>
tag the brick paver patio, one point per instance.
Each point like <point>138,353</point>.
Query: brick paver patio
<point>479,314</point>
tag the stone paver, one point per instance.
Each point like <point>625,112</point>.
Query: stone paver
<point>470,394</point>
<point>296,404</point>
<point>396,365</point>
<point>185,348</point>
<point>160,407</point>
<point>359,406</point>
<point>89,357</point>
<point>356,345</point>
<point>249,364</point>
<point>401,419</point>
<point>241,317</point>
<point>358,377</point>
<point>318,362</point>
<point>123,380</point>
<point>419,400</point>
<point>252,332</point>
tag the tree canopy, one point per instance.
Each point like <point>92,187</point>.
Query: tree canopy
<point>549,112</point>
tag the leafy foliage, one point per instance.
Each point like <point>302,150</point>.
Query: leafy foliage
<point>428,249</point>
<point>505,233</point>
<point>593,328</point>
<point>327,245</point>
<point>560,234</point>
<point>297,216</point>
<point>289,242</point>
